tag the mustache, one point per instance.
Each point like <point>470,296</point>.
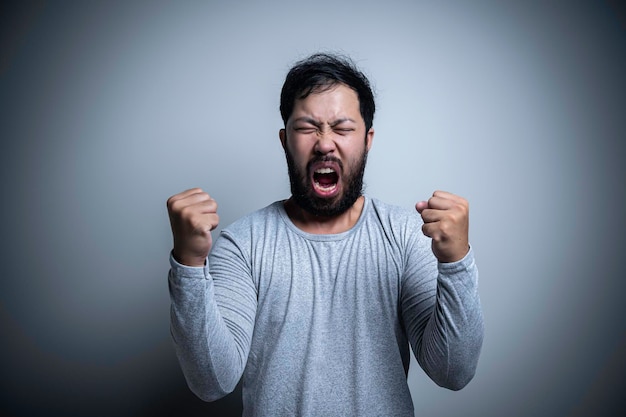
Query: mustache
<point>324,158</point>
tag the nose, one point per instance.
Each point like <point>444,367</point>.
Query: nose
<point>325,143</point>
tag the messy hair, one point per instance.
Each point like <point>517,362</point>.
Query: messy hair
<point>323,71</point>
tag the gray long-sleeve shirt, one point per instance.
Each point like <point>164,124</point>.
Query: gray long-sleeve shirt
<point>321,324</point>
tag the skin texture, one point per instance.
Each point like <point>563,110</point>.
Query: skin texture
<point>324,126</point>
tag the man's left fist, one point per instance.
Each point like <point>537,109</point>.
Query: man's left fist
<point>446,221</point>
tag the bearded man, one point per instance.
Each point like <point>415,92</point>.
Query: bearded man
<point>316,300</point>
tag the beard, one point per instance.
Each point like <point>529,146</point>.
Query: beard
<point>304,196</point>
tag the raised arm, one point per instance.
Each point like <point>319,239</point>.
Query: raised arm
<point>213,300</point>
<point>440,301</point>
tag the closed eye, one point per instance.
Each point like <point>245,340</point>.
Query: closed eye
<point>305,130</point>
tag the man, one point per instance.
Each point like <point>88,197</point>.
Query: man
<point>314,300</point>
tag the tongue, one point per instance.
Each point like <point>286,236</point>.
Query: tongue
<point>326,180</point>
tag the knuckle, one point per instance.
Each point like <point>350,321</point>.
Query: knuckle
<point>187,212</point>
<point>455,216</point>
<point>175,206</point>
<point>198,226</point>
<point>444,228</point>
<point>171,201</point>
<point>461,212</point>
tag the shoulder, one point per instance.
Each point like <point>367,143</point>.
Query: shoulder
<point>255,223</point>
<point>243,234</point>
<point>394,215</point>
<point>401,226</point>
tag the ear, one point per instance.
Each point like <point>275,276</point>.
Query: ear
<point>283,138</point>
<point>369,138</point>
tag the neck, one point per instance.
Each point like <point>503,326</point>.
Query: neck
<point>321,225</point>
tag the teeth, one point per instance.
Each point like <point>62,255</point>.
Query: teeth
<point>324,171</point>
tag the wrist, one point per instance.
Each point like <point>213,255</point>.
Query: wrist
<point>187,260</point>
<point>448,258</point>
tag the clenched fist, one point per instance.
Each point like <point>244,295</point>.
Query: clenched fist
<point>193,214</point>
<point>446,221</point>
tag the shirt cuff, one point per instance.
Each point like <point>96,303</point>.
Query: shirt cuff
<point>463,264</point>
<point>184,271</point>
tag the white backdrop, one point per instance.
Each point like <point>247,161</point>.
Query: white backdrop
<point>108,108</point>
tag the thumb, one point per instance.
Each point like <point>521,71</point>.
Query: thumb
<point>421,206</point>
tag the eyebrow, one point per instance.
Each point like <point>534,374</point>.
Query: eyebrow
<point>340,121</point>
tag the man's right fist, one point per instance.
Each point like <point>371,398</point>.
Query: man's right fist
<point>193,214</point>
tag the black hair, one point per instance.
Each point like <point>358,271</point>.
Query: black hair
<point>320,72</point>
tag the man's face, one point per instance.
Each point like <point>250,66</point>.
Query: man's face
<point>326,149</point>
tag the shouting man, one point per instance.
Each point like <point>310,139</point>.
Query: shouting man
<point>316,300</point>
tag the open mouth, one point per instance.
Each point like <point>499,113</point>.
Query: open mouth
<point>325,180</point>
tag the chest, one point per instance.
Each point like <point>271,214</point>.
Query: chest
<point>326,283</point>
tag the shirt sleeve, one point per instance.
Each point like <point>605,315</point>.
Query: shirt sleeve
<point>212,318</point>
<point>443,316</point>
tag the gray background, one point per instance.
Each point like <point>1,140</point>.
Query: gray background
<point>108,108</point>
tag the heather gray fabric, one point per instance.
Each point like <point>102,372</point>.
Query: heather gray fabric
<point>320,325</point>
